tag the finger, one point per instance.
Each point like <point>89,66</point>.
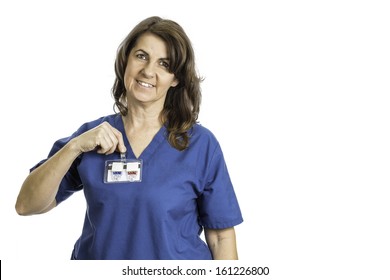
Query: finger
<point>113,143</point>
<point>116,138</point>
<point>121,144</point>
<point>104,144</point>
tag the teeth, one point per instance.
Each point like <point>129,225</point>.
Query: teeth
<point>145,84</point>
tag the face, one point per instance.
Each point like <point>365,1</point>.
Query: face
<point>147,77</point>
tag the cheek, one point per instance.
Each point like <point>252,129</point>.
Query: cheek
<point>130,70</point>
<point>168,80</point>
<point>128,78</point>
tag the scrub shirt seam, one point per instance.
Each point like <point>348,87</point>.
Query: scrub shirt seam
<point>225,224</point>
<point>206,183</point>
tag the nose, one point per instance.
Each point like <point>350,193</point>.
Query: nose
<point>148,70</point>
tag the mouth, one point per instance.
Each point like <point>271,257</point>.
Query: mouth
<point>143,84</point>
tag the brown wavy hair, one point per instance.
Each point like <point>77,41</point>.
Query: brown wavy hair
<point>182,103</point>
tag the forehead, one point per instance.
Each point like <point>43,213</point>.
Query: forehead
<point>152,44</point>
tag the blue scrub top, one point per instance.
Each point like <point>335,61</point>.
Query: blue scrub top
<point>162,216</point>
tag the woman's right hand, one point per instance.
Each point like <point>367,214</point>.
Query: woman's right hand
<point>104,138</point>
<point>38,191</point>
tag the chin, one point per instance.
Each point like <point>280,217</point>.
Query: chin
<point>143,98</point>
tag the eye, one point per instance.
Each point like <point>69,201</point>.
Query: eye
<point>164,64</point>
<point>141,56</point>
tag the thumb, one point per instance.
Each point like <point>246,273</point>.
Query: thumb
<point>121,148</point>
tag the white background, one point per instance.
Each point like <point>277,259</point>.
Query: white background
<point>297,92</point>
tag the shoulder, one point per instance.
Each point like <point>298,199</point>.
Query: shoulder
<point>111,119</point>
<point>203,136</point>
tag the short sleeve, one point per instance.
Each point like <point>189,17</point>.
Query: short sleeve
<point>71,182</point>
<point>218,205</point>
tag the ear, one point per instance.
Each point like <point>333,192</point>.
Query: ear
<point>175,82</point>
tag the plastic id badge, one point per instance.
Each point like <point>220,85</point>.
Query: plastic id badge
<point>123,171</point>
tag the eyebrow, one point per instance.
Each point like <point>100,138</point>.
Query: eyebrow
<point>162,58</point>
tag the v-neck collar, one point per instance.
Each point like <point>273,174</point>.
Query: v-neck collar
<point>148,152</point>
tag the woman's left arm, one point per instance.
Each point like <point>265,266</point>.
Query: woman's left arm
<point>222,243</point>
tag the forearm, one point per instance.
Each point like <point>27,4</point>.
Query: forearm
<point>37,194</point>
<point>222,244</point>
<point>224,250</point>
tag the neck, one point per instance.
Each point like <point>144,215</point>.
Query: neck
<point>141,117</point>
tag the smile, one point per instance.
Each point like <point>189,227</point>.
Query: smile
<point>147,85</point>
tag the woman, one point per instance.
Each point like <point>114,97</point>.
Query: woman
<point>181,184</point>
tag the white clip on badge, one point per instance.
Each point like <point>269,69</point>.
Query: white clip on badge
<point>123,170</point>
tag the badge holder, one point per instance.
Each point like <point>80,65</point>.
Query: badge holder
<point>123,170</point>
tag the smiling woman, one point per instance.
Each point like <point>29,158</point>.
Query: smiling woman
<point>147,77</point>
<point>182,102</point>
<point>167,177</point>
